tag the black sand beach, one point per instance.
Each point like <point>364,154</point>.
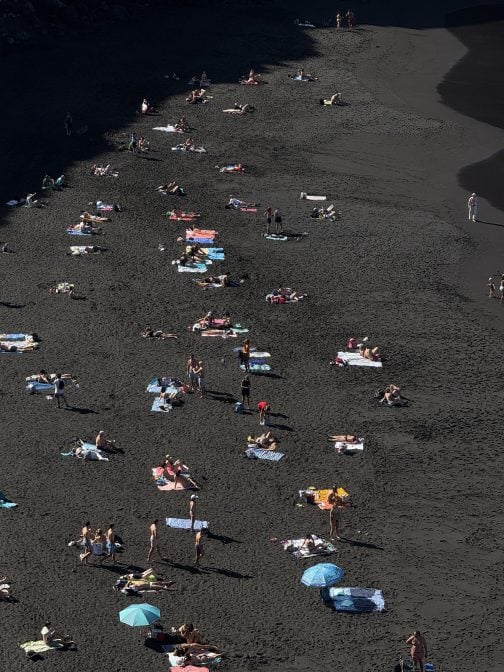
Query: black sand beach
<point>402,266</point>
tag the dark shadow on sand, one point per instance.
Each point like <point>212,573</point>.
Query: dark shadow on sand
<point>361,544</point>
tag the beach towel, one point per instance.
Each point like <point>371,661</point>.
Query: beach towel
<point>79,250</point>
<point>39,388</point>
<point>260,454</point>
<point>40,646</point>
<point>353,600</point>
<point>167,129</point>
<point>322,547</point>
<point>155,388</point>
<point>201,241</point>
<point>343,447</point>
<point>275,236</point>
<point>355,359</point>
<point>319,497</point>
<point>305,24</point>
<point>74,232</point>
<point>308,197</point>
<point>216,333</point>
<point>185,524</point>
<point>91,452</point>
<point>254,367</point>
<point>197,268</point>
<point>215,254</point>
<point>16,337</point>
<point>104,206</point>
<point>13,202</point>
<point>203,233</point>
<point>5,502</point>
<point>170,486</point>
<point>159,406</point>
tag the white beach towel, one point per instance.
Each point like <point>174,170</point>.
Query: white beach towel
<point>355,359</point>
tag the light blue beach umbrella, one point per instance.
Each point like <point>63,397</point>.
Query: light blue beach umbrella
<point>322,575</point>
<point>139,614</point>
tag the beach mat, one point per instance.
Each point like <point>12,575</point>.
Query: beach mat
<point>155,388</point>
<point>170,487</point>
<point>167,129</point>
<point>355,359</point>
<point>216,333</point>
<point>353,600</point>
<point>185,524</point>
<point>15,337</point>
<point>73,232</point>
<point>39,388</point>
<point>197,268</point>
<point>157,404</point>
<point>348,447</point>
<point>5,502</point>
<point>254,367</point>
<point>276,237</point>
<point>39,646</point>
<point>260,454</point>
<point>201,241</point>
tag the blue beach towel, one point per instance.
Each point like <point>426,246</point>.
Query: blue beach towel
<point>201,241</point>
<point>5,502</point>
<point>256,368</point>
<point>73,232</point>
<point>353,600</point>
<point>14,337</point>
<point>40,387</point>
<point>156,406</point>
<point>260,454</point>
<point>185,524</point>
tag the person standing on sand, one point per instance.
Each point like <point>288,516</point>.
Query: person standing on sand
<point>350,17</point>
<point>191,366</point>
<point>268,214</point>
<point>491,288</point>
<point>154,541</point>
<point>68,123</point>
<point>245,355</point>
<point>59,390</point>
<point>335,522</point>
<point>245,391</point>
<point>111,544</point>
<point>472,207</point>
<point>198,546</point>
<point>418,651</point>
<point>278,220</point>
<point>86,543</point>
<point>192,510</point>
<point>200,376</point>
<point>338,20</point>
<point>501,290</point>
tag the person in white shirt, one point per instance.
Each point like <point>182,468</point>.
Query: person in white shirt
<point>472,207</point>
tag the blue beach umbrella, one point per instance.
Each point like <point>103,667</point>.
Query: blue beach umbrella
<point>322,575</point>
<point>139,614</point>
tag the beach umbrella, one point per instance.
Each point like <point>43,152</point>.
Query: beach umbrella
<point>139,614</point>
<point>322,575</point>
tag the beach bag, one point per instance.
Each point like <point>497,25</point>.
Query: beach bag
<point>352,344</point>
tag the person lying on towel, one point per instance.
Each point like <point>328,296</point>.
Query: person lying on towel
<point>182,125</point>
<point>344,438</point>
<point>86,216</point>
<point>209,321</point>
<point>181,214</point>
<point>171,188</point>
<point>286,293</point>
<point>156,333</point>
<point>232,168</point>
<point>213,280</point>
<point>266,441</point>
<point>303,76</point>
<point>85,227</point>
<point>240,109</point>
<point>103,170</point>
<point>372,354</point>
<point>252,79</point>
<point>177,472</point>
<point>335,99</point>
<point>236,203</point>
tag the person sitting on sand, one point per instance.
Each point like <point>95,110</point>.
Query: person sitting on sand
<point>30,202</point>
<point>145,108</point>
<point>392,396</point>
<point>47,183</point>
<point>335,99</point>
<point>51,638</point>
<point>308,543</point>
<point>197,96</point>
<point>5,595</point>
<point>189,633</point>
<point>85,227</point>
<point>103,443</point>
<point>189,144</point>
<point>373,354</point>
<point>63,288</point>
<point>252,79</point>
<point>174,471</point>
<point>303,76</point>
<point>156,333</point>
<point>171,188</point>
<point>60,182</point>
<point>266,441</point>
<point>182,125</point>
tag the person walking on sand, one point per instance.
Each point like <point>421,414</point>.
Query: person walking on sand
<point>68,123</point>
<point>111,544</point>
<point>59,390</point>
<point>418,650</point>
<point>192,510</point>
<point>278,220</point>
<point>350,17</point>
<point>133,142</point>
<point>491,288</point>
<point>200,377</point>
<point>338,20</point>
<point>87,547</point>
<point>154,541</point>
<point>245,355</point>
<point>192,376</point>
<point>472,207</point>
<point>268,214</point>
<point>245,391</point>
<point>198,546</point>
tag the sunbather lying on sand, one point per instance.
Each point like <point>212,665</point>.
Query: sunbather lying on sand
<point>284,295</point>
<point>171,188</point>
<point>251,80</point>
<point>85,227</point>
<point>303,76</point>
<point>139,585</point>
<point>232,168</point>
<point>101,171</point>
<point>346,438</point>
<point>101,205</point>
<point>43,377</point>
<point>86,453</point>
<point>335,99</point>
<point>88,217</point>
<point>182,215</point>
<point>236,203</point>
<point>193,654</point>
<point>18,346</point>
<point>265,441</point>
<point>240,109</point>
<point>62,288</point>
<point>210,321</point>
<point>156,333</point>
<point>325,213</point>
<point>214,280</point>
<point>197,96</point>
<point>79,250</point>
